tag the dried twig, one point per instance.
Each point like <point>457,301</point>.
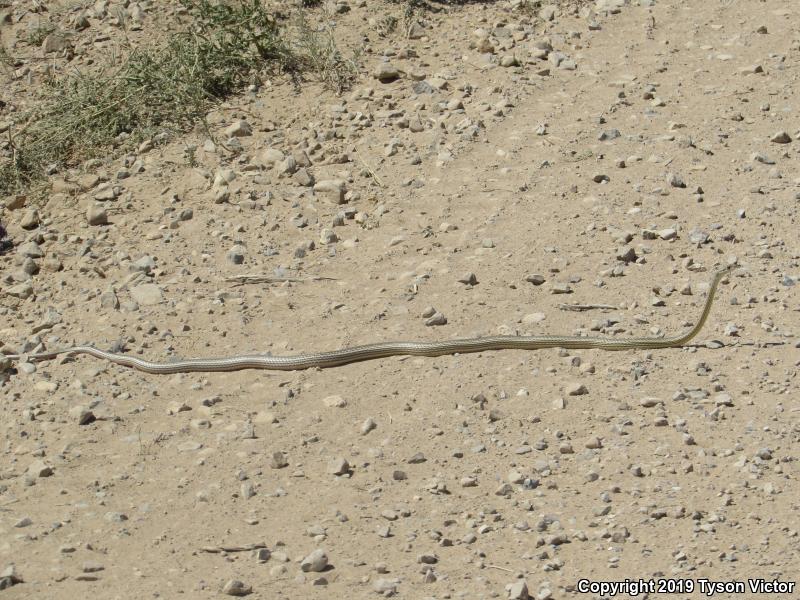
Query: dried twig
<point>372,173</point>
<point>246,548</point>
<point>245,279</point>
<point>581,307</point>
<point>716,344</point>
<point>499,568</point>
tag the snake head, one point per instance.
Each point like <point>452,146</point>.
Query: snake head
<point>724,270</point>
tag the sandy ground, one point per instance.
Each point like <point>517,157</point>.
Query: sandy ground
<point>623,155</point>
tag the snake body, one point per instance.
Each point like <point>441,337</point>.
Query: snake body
<point>345,356</point>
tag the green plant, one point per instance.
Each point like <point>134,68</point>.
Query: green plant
<point>37,35</point>
<point>386,25</point>
<point>190,154</point>
<point>530,7</point>
<point>223,48</point>
<point>7,61</point>
<point>320,55</point>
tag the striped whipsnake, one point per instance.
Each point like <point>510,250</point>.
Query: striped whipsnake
<point>344,356</point>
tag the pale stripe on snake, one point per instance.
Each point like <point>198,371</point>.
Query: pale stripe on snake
<point>344,356</point>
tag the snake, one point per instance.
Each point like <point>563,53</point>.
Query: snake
<point>336,358</point>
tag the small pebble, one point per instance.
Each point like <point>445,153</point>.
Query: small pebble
<point>234,587</point>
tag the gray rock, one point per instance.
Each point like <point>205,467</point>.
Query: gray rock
<point>576,389</point>
<point>303,177</point>
<point>368,425</point>
<point>386,587</point>
<point>762,158</point>
<point>533,318</point>
<point>240,128</point>
<point>301,158</point>
<point>287,166</point>
<point>505,489</point>
<point>236,254</point>
<point>416,31</point>
<point>221,195</point>
<point>39,468</point>
<point>278,460</point>
<point>518,590</point>
<point>96,215</point>
<point>55,42</point>
<point>9,577</point>
<point>386,73</point>
<point>270,156</point>
<point>338,466</point>
<point>29,266</point>
<point>31,250</point>
<point>246,490</point>
<point>509,60</point>
<point>781,137</point>
<point>675,180</point>
<point>278,571</point>
<point>147,294</point>
<point>548,12</point>
<point>316,562</point>
<point>560,288</point>
<point>626,254</point>
<point>418,458</point>
<point>92,567</point>
<point>22,290</point>
<point>145,264</point>
<point>234,587</point>
<point>82,415</point>
<point>30,220</point>
<point>105,191</point>
<point>23,522</point>
<point>697,236</point>
<point>327,236</point>
<point>609,134</point>
<point>427,559</point>
<point>436,319</point>
<point>262,555</point>
<point>332,190</point>
<point>422,87</point>
<point>334,401</point>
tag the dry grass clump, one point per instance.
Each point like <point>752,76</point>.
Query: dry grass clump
<point>224,47</point>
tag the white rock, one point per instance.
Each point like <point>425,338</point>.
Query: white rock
<point>518,590</point>
<point>334,401</point>
<point>240,128</point>
<point>316,562</point>
<point>147,294</point>
<point>270,156</point>
<point>332,190</point>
